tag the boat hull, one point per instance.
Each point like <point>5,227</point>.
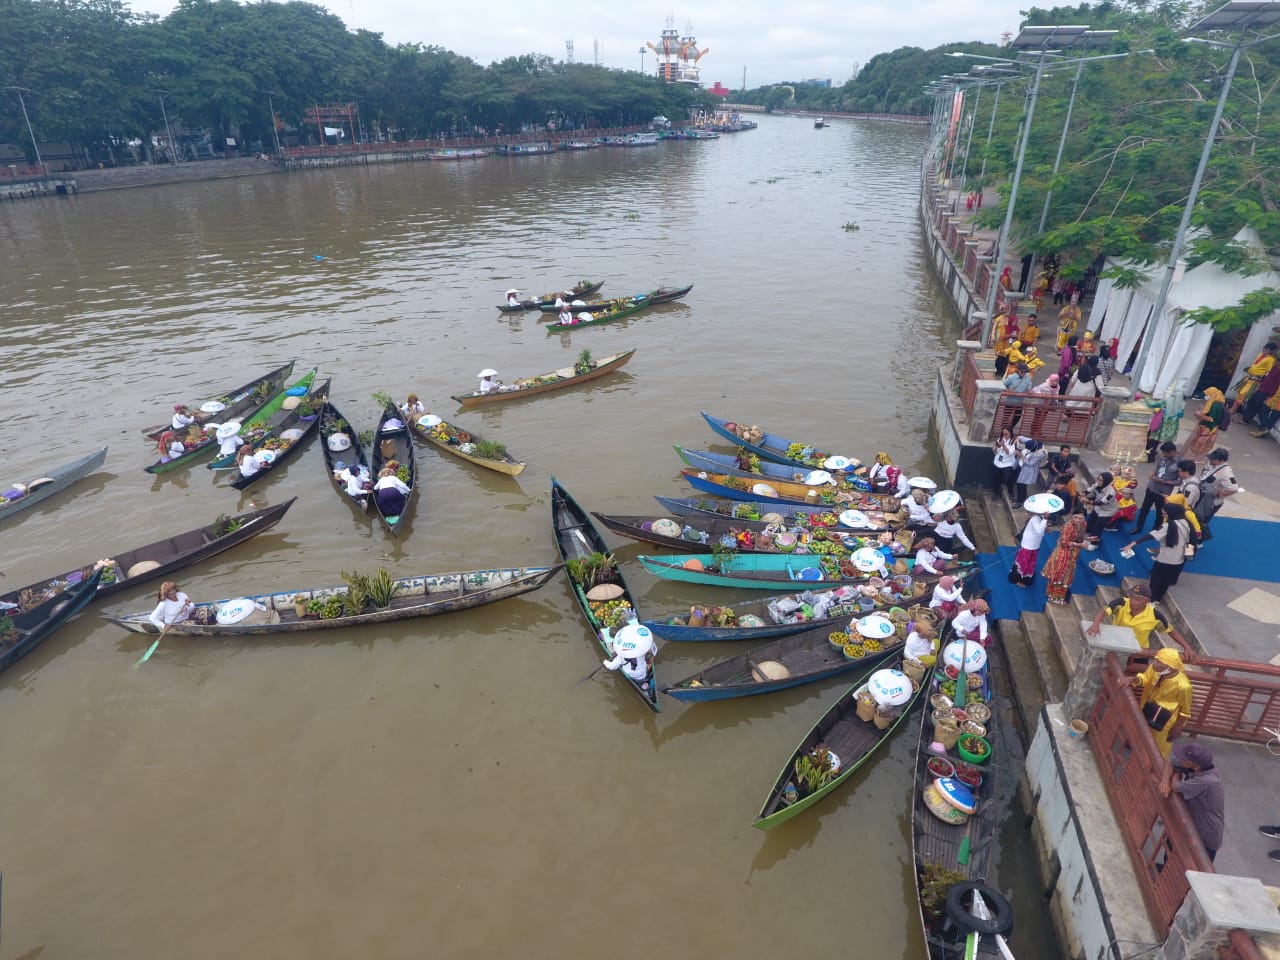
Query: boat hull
<point>604,365</point>
<point>63,477</point>
<point>41,622</point>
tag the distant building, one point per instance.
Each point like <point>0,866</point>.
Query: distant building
<point>816,83</point>
<point>718,89</point>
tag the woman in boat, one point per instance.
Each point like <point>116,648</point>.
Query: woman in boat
<point>174,607</point>
<point>566,315</point>
<point>1060,569</point>
<point>633,650</point>
<point>921,645</point>
<point>489,382</point>
<point>929,559</point>
<point>390,492</point>
<point>229,439</point>
<point>948,594</point>
<point>183,417</point>
<point>949,530</point>
<point>918,515</point>
<point>971,622</point>
<point>413,407</point>
<point>247,461</point>
<point>513,298</point>
<point>878,472</point>
<point>1164,696</point>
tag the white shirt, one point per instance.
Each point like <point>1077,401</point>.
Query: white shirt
<point>181,421</point>
<point>176,449</point>
<point>229,445</point>
<point>566,315</point>
<point>393,482</point>
<point>919,512</point>
<point>488,385</point>
<point>942,595</point>
<point>513,301</point>
<point>927,560</point>
<point>966,622</point>
<point>946,528</point>
<point>353,484</point>
<point>1006,454</point>
<point>561,303</point>
<point>917,647</point>
<point>250,465</point>
<point>1033,534</point>
<point>417,408</point>
<point>168,612</point>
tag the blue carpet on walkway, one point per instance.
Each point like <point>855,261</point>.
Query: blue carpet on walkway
<point>1238,549</point>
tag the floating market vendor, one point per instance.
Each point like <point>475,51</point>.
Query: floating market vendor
<point>183,417</point>
<point>929,559</point>
<point>948,593</point>
<point>566,315</point>
<point>918,515</point>
<point>921,644</point>
<point>391,492</point>
<point>489,382</point>
<point>513,298</point>
<point>228,437</point>
<point>633,650</point>
<point>413,407</point>
<point>971,621</point>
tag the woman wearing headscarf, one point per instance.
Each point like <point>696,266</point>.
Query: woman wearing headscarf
<point>1086,382</point>
<point>1030,460</point>
<point>930,559</point>
<point>884,475</point>
<point>1164,696</point>
<point>1205,437</point>
<point>948,594</point>
<point>1103,507</point>
<point>1066,363</point>
<point>1060,569</point>
<point>1173,537</point>
<point>1068,321</point>
<point>971,622</point>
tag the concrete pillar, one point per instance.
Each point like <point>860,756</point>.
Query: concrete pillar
<point>957,370</point>
<point>1215,905</point>
<point>984,410</point>
<point>1100,429</point>
<point>1086,682</point>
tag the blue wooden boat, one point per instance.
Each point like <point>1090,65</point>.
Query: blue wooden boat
<point>34,626</point>
<point>577,538</point>
<point>755,509</point>
<point>704,535</point>
<point>728,464</point>
<point>784,662</point>
<point>772,446</point>
<point>266,421</point>
<point>758,488</point>
<point>42,488</point>
<point>845,602</point>
<point>757,571</point>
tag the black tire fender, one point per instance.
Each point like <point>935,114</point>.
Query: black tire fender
<point>957,909</point>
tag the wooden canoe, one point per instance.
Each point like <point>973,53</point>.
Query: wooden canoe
<point>652,297</point>
<point>969,849</point>
<point>154,560</point>
<point>753,509</point>
<point>331,422</point>
<point>281,373</point>
<point>266,421</point>
<point>728,464</point>
<point>850,738</point>
<point>241,406</point>
<point>756,488</point>
<point>577,537</point>
<point>712,533</point>
<point>546,382</point>
<point>35,626</point>
<point>584,288</point>
<point>614,312</point>
<point>422,596</point>
<point>462,444</point>
<point>845,603</point>
<point>399,446</point>
<point>760,571</point>
<point>772,446</point>
<point>778,664</point>
<point>44,487</point>
<point>285,448</point>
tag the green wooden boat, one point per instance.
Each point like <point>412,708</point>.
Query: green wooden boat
<point>760,571</point>
<point>252,398</point>
<point>267,420</point>
<point>852,739</point>
<point>617,313</point>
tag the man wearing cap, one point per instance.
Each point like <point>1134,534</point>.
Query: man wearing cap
<point>1191,775</point>
<point>1135,611</point>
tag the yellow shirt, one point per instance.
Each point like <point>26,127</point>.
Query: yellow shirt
<point>1142,623</point>
<point>1262,366</point>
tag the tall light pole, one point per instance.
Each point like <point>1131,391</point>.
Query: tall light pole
<point>35,146</point>
<point>173,153</point>
<point>1239,15</point>
<point>642,53</point>
<point>275,134</point>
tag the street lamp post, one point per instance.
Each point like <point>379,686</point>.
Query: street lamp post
<point>642,53</point>
<point>1237,14</point>
<point>35,146</point>
<point>173,153</point>
<point>275,134</point>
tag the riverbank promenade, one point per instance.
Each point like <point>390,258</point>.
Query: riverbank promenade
<point>1088,799</point>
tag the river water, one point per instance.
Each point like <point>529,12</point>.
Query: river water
<point>448,787</point>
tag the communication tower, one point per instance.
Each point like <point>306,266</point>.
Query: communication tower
<point>568,51</point>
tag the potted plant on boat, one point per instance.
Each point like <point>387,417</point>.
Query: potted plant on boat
<point>813,769</point>
<point>306,411</point>
<point>8,631</point>
<point>382,589</point>
<point>935,881</point>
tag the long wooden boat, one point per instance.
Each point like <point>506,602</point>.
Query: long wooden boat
<point>617,314</point>
<point>44,487</point>
<point>457,153</point>
<point>755,509</point>
<point>464,444</point>
<point>845,734</point>
<point>242,406</point>
<point>281,373</point>
<point>546,382</point>
<point>576,538</point>
<point>398,447</point>
<point>759,571</point>
<point>650,298</point>
<point>772,446</point>
<point>583,288</point>
<point>266,421</point>
<point>730,465</point>
<point>34,626</point>
<point>747,488</point>
<point>283,441</point>
<point>421,596</point>
<point>779,664</point>
<point>332,422</point>
<point>152,561</point>
<point>745,536</point>
<point>785,613</point>
<point>536,149</point>
<point>967,848</point>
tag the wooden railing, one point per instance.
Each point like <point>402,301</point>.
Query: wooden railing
<point>23,171</point>
<point>1158,833</point>
<point>1055,420</point>
<point>1231,699</point>
<point>410,146</point>
<point>969,378</point>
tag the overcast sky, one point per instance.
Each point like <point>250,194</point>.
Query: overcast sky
<point>774,41</point>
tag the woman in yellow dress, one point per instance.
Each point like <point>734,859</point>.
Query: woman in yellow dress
<point>1205,437</point>
<point>1068,320</point>
<point>1260,367</point>
<point>1164,696</point>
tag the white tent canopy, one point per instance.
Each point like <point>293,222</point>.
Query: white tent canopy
<point>1178,350</point>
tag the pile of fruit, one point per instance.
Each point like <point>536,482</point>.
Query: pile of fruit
<point>838,638</point>
<point>611,613</point>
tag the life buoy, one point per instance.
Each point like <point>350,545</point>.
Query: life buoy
<point>960,899</point>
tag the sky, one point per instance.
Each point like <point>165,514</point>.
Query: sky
<point>774,42</point>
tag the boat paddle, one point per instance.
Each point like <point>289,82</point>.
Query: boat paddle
<point>146,656</point>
